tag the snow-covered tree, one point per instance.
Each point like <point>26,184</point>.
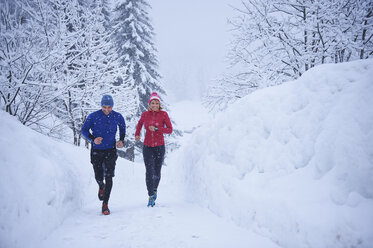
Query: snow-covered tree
<point>277,41</point>
<point>57,59</point>
<point>56,62</point>
<point>26,60</point>
<point>103,6</point>
<point>133,38</point>
<point>90,64</point>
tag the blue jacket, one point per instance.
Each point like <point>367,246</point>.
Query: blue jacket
<point>104,126</point>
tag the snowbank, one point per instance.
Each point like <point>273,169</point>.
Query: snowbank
<point>188,115</point>
<point>42,182</point>
<point>292,162</point>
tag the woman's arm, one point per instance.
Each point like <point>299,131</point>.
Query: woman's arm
<point>167,122</point>
<point>139,126</point>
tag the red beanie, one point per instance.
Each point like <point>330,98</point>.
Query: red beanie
<point>154,96</point>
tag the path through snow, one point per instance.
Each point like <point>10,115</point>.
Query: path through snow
<point>171,223</point>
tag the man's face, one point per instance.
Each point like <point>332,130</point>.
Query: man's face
<point>107,109</point>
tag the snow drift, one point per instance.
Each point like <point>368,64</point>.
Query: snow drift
<point>292,162</point>
<point>42,182</point>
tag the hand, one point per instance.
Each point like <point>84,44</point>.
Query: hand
<point>98,140</point>
<point>137,138</point>
<point>119,144</point>
<point>152,128</point>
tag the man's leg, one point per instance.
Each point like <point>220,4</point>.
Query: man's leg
<point>97,160</point>
<point>109,161</point>
<point>108,187</point>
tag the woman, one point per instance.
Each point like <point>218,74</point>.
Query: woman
<point>156,123</point>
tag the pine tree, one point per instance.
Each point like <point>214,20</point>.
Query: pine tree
<point>133,38</point>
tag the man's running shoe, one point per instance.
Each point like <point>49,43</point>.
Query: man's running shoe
<point>101,192</point>
<point>105,209</point>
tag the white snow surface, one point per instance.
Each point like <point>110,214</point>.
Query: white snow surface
<point>287,166</point>
<point>50,200</point>
<point>292,162</point>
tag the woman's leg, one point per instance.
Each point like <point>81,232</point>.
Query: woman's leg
<point>150,168</point>
<point>158,161</point>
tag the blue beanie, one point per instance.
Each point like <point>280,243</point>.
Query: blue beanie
<point>107,100</point>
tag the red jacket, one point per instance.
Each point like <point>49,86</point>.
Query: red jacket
<point>157,119</point>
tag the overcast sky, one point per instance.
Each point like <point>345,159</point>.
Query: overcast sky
<point>192,39</point>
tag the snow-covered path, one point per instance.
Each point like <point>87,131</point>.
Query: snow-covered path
<point>292,163</point>
<point>171,223</point>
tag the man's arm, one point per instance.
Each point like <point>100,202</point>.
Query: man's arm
<point>122,131</point>
<point>85,129</point>
<point>122,128</point>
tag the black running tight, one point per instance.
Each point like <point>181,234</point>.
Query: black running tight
<point>153,159</point>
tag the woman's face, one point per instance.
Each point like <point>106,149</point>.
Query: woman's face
<point>154,105</point>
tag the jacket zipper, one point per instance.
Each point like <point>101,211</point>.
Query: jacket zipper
<point>152,124</point>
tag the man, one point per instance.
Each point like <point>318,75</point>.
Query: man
<point>103,124</point>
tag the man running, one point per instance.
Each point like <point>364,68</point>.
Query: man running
<point>103,124</point>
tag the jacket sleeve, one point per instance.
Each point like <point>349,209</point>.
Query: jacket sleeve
<point>85,129</point>
<point>139,125</point>
<point>167,123</point>
<point>122,128</point>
